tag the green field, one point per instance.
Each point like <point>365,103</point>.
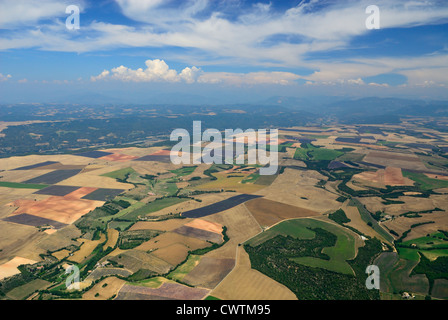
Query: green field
<point>154,283</point>
<point>180,272</point>
<point>424,182</point>
<point>123,212</point>
<point>413,254</point>
<point>316,154</point>
<point>431,246</point>
<point>165,187</point>
<point>151,207</point>
<point>184,171</point>
<point>17,185</point>
<point>301,154</point>
<point>433,241</point>
<point>293,228</point>
<point>120,224</point>
<point>251,178</point>
<point>333,272</point>
<point>325,154</point>
<point>120,174</point>
<point>299,228</point>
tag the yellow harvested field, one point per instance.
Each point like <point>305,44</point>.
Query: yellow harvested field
<point>133,151</point>
<point>61,254</point>
<point>205,225</point>
<point>166,225</point>
<point>9,268</point>
<point>115,253</point>
<point>356,221</point>
<point>19,240</point>
<point>356,185</point>
<point>244,283</point>
<point>169,238</point>
<point>90,179</point>
<point>152,168</point>
<point>411,204</point>
<point>22,175</point>
<point>86,249</point>
<point>50,231</point>
<point>298,188</point>
<point>17,162</point>
<point>174,254</point>
<point>104,289</point>
<point>112,238</point>
<point>403,224</point>
<point>241,226</point>
<point>436,176</point>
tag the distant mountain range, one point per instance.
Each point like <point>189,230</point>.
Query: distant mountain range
<point>346,110</point>
<point>365,110</point>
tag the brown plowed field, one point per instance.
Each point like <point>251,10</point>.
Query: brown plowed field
<point>167,291</point>
<point>209,272</point>
<point>118,157</point>
<point>56,208</point>
<point>173,254</point>
<point>205,225</point>
<point>268,212</point>
<point>390,176</point>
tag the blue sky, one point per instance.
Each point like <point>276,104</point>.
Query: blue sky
<point>217,48</point>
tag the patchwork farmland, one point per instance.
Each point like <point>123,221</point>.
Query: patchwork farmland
<point>140,227</point>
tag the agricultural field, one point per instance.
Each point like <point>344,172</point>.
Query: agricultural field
<point>105,289</point>
<point>245,283</point>
<point>268,212</point>
<point>326,259</point>
<point>140,227</point>
<point>167,291</point>
<point>86,249</point>
<point>344,247</point>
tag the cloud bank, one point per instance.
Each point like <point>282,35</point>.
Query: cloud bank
<point>158,71</point>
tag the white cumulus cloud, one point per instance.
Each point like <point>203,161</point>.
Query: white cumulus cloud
<point>4,78</point>
<point>158,71</point>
